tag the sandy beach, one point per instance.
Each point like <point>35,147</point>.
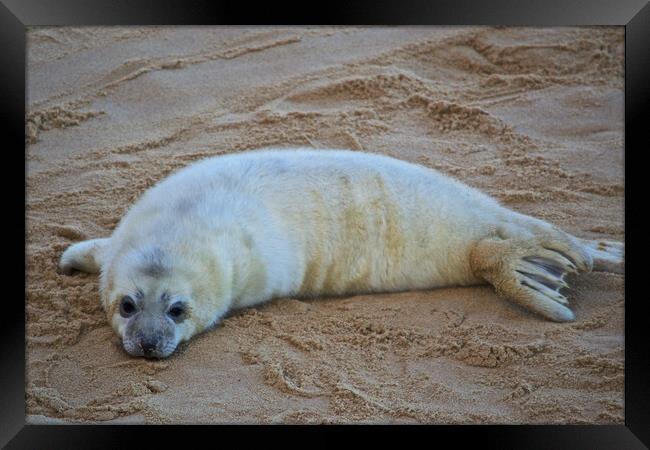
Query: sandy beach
<point>531,116</point>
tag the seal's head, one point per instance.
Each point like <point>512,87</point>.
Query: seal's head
<point>154,304</point>
<point>150,323</point>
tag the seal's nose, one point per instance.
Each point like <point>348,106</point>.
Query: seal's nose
<point>149,346</point>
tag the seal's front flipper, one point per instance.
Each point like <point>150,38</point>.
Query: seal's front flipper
<point>529,272</point>
<point>84,256</point>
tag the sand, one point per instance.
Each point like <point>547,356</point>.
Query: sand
<point>533,117</point>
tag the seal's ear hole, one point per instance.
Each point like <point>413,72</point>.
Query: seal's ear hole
<point>127,307</point>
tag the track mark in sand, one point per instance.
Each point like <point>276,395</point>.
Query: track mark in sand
<point>510,196</point>
<point>286,379</point>
<point>608,229</point>
<point>365,88</point>
<point>604,189</point>
<point>521,392</point>
<point>454,116</point>
<point>572,59</point>
<point>69,232</point>
<point>66,115</point>
<point>391,94</point>
<point>125,400</point>
<point>449,117</point>
<point>265,128</point>
<point>605,366</point>
<point>132,69</point>
<point>240,51</point>
<point>119,387</point>
<point>462,346</point>
<point>56,117</point>
<point>61,42</point>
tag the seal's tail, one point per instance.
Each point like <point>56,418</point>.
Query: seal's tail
<point>607,256</point>
<point>84,256</point>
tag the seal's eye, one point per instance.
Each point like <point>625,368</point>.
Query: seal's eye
<point>127,307</point>
<point>176,312</point>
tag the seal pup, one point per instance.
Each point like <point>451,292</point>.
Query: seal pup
<point>237,230</point>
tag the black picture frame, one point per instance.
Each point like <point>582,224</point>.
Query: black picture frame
<point>16,15</point>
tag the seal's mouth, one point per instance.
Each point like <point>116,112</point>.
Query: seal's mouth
<point>138,349</point>
<point>152,355</point>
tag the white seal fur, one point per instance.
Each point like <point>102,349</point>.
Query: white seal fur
<point>238,230</point>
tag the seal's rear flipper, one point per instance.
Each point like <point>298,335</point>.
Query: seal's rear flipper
<point>531,271</point>
<point>607,255</point>
<point>84,256</point>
